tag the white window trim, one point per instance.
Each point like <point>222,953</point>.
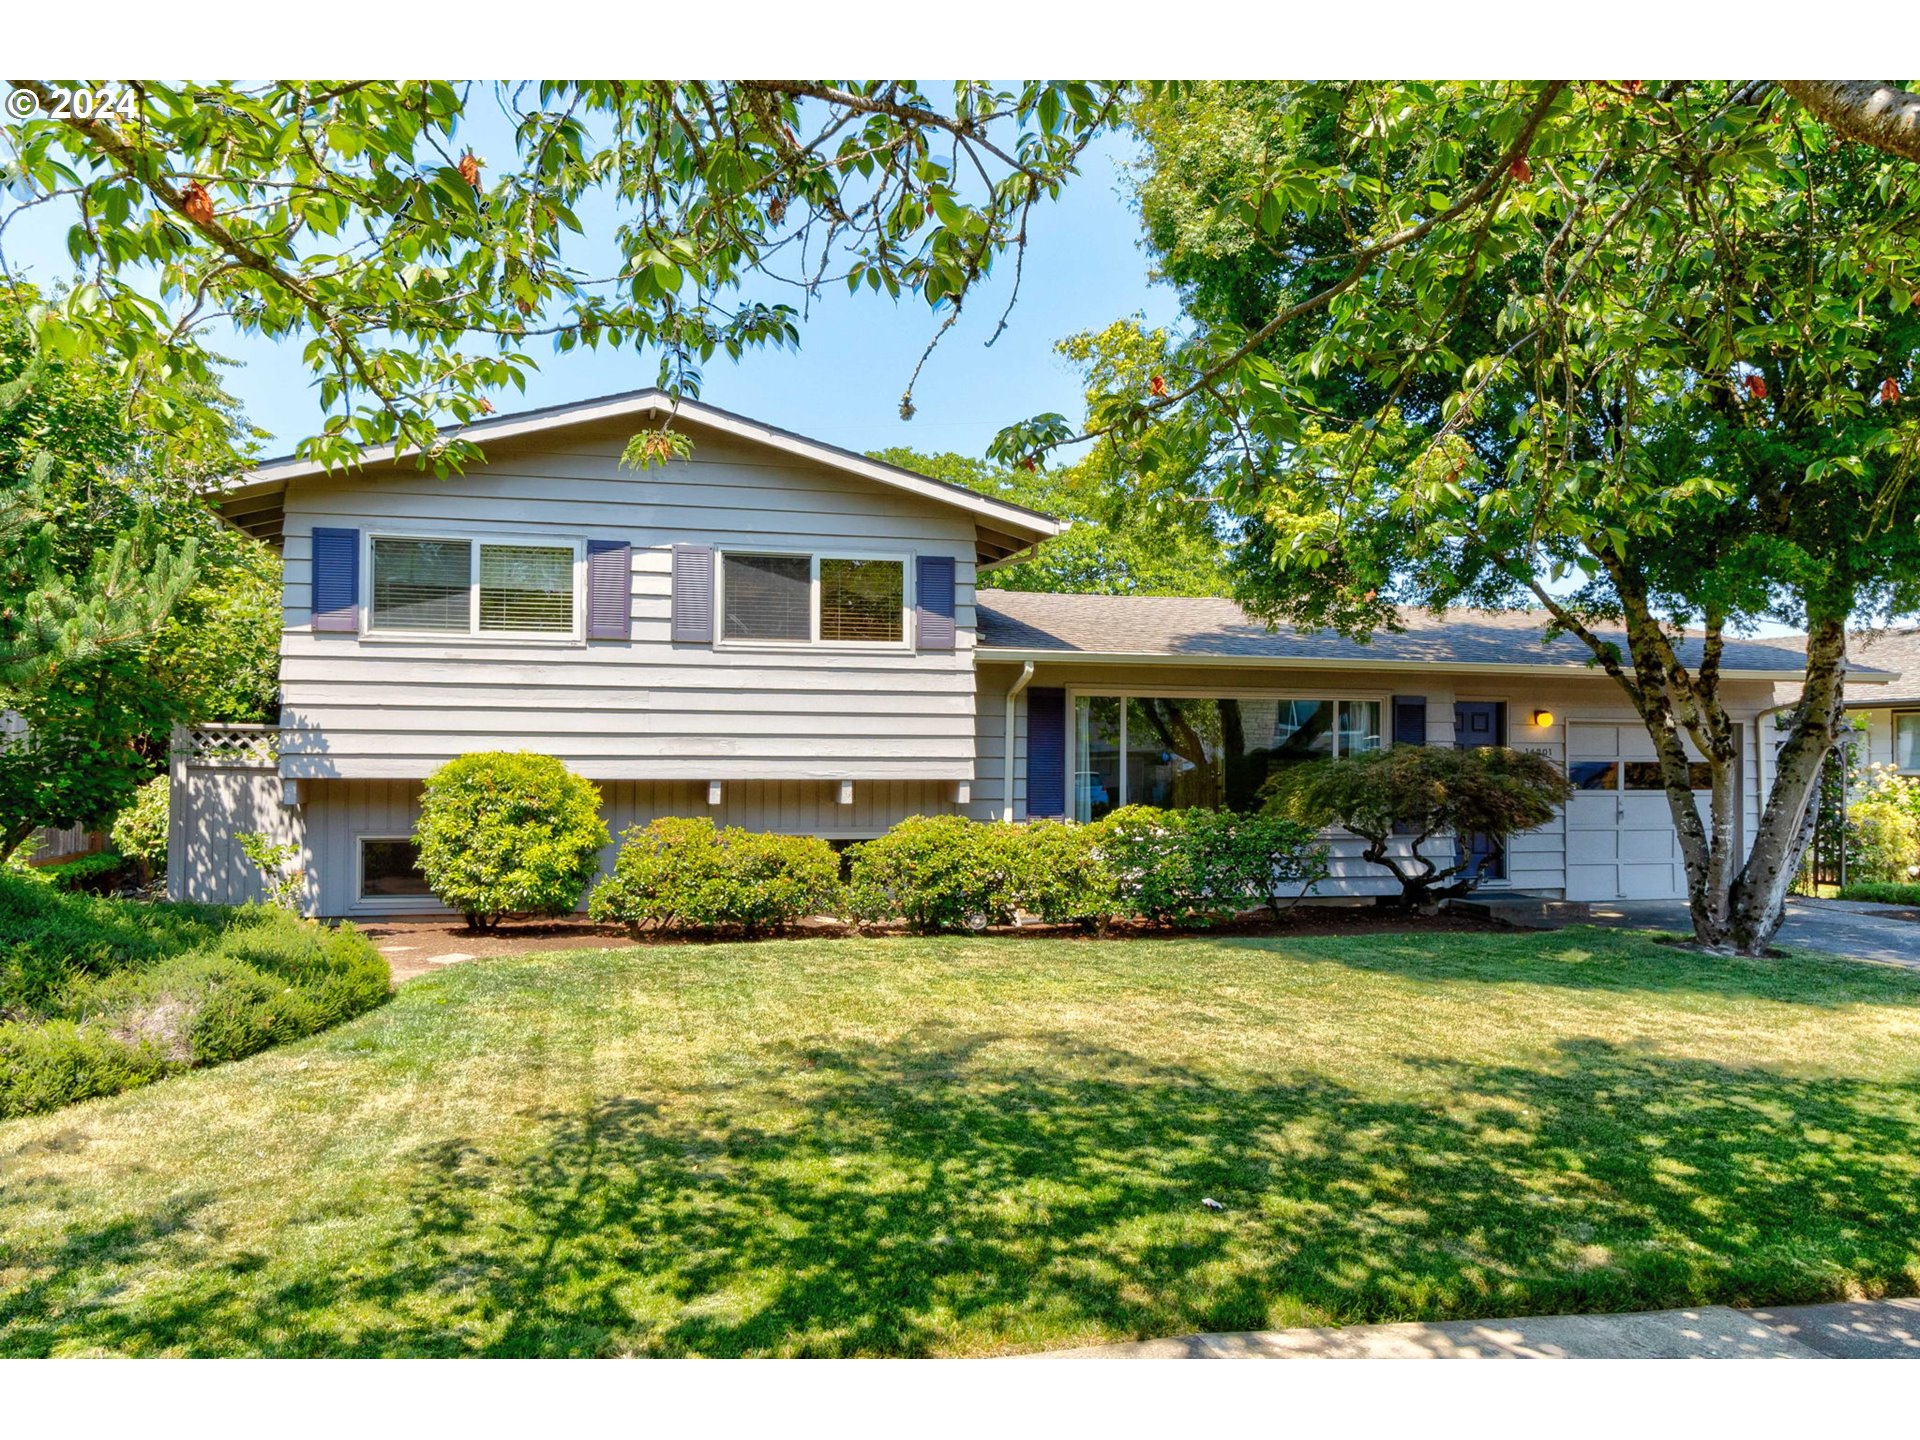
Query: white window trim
<point>1894,718</point>
<point>575,634</point>
<point>906,644</point>
<point>1076,693</point>
<point>362,900</point>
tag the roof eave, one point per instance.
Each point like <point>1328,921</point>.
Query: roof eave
<point>1016,655</point>
<point>1030,526</point>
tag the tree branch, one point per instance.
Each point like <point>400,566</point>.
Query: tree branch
<point>1873,112</point>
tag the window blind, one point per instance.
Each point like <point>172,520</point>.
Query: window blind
<point>422,584</point>
<point>767,597</point>
<point>526,588</point>
<point>862,600</point>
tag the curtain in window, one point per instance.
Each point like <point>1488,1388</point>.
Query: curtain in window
<point>1906,741</point>
<point>768,597</point>
<point>862,600</point>
<point>526,588</point>
<point>422,585</point>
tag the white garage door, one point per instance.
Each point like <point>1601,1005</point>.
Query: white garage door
<point>1620,839</point>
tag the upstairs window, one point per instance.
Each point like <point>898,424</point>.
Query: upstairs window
<point>767,597</point>
<point>863,601</point>
<point>422,585</point>
<point>803,599</point>
<point>429,585</point>
<point>526,588</point>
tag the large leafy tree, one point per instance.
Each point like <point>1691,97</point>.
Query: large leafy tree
<point>1633,354</point>
<point>420,275</point>
<point>124,604</point>
<point>1124,539</point>
<point>1509,329</point>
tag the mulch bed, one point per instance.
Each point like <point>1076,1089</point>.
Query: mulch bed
<point>409,944</point>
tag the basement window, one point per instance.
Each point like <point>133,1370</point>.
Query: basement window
<point>390,868</point>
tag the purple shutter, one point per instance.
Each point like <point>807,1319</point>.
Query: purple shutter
<point>693,594</point>
<point>609,590</point>
<point>1409,719</point>
<point>933,602</point>
<point>1046,751</point>
<point>336,580</point>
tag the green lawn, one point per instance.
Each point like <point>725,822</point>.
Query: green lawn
<point>960,1146</point>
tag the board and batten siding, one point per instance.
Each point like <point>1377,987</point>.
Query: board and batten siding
<point>360,706</point>
<point>336,815</point>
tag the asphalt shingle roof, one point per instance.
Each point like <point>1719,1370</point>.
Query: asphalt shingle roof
<point>1114,625</point>
<point>1895,649</point>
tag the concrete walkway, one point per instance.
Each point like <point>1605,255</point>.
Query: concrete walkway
<point>1867,1330</point>
<point>1862,932</point>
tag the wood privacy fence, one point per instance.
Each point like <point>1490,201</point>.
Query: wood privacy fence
<point>224,781</point>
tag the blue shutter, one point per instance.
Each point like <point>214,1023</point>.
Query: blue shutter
<point>933,602</point>
<point>693,594</point>
<point>609,590</point>
<point>1409,728</point>
<point>336,580</point>
<point>1046,751</point>
<point>1409,719</point>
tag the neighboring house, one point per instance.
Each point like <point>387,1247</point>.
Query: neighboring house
<point>788,636</point>
<point>1892,711</point>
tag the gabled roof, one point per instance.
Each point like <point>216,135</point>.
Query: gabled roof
<point>254,501</point>
<point>1150,630</point>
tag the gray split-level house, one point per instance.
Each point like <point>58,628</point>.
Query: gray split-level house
<point>789,636</point>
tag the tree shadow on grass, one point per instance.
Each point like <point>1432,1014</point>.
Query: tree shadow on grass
<point>975,1192</point>
<point>1592,958</point>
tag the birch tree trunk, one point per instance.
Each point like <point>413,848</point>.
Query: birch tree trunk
<point>1758,901</point>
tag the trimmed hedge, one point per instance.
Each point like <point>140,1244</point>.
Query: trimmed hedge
<point>96,873</point>
<point>98,996</point>
<point>1200,867</point>
<point>947,873</point>
<point>509,833</point>
<point>1180,867</point>
<point>1883,892</point>
<point>677,874</point>
<point>940,872</point>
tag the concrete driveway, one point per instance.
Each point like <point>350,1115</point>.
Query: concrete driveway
<point>1861,931</point>
<point>1862,1330</point>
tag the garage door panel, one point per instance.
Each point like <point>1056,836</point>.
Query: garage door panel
<point>1649,882</point>
<point>1592,742</point>
<point>1592,882</point>
<point>1589,847</point>
<point>1647,844</point>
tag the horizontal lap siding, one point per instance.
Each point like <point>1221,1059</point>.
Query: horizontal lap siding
<point>1536,859</point>
<point>644,709</point>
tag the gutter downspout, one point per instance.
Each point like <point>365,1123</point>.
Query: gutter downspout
<point>1013,694</point>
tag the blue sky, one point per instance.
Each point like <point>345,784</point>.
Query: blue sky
<point>1084,269</point>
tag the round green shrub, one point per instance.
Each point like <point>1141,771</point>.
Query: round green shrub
<point>684,873</point>
<point>1200,867</point>
<point>939,872</point>
<point>139,832</point>
<point>1067,878</point>
<point>509,834</point>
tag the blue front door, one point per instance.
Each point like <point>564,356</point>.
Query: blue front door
<point>1477,723</point>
